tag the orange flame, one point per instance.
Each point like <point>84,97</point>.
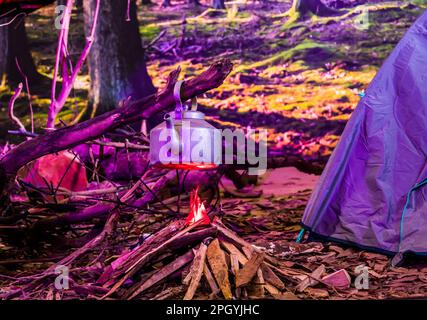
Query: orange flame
<point>197,210</point>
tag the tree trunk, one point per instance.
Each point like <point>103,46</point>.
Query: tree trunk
<point>14,47</point>
<point>116,61</point>
<point>316,7</point>
<point>3,52</point>
<point>218,4</point>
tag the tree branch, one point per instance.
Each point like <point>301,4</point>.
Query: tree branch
<point>69,137</point>
<point>67,80</point>
<point>12,116</point>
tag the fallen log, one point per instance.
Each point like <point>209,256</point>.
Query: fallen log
<point>69,137</point>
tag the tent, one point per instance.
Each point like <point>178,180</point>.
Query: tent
<point>373,191</point>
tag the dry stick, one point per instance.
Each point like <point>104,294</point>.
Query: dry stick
<point>199,262</point>
<point>8,12</point>
<point>232,250</point>
<point>271,277</point>
<point>168,293</point>
<point>165,244</point>
<point>224,231</point>
<point>118,266</point>
<point>135,266</point>
<point>230,235</point>
<point>164,272</point>
<point>87,193</point>
<point>234,261</point>
<point>27,86</point>
<point>259,284</point>
<point>298,273</point>
<point>308,282</point>
<point>114,144</point>
<point>108,228</point>
<point>128,11</point>
<point>12,100</point>
<point>155,40</point>
<point>210,279</point>
<point>13,19</point>
<point>100,209</point>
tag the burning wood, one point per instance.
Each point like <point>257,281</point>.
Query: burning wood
<point>197,260</point>
<point>197,210</point>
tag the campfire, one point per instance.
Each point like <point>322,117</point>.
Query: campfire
<point>194,258</point>
<point>197,210</point>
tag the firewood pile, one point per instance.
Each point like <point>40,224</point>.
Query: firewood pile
<point>210,261</point>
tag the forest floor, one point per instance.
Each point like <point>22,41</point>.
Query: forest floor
<point>270,223</point>
<point>301,81</point>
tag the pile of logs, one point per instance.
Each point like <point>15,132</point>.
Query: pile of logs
<point>203,262</point>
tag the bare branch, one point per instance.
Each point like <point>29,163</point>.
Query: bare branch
<point>12,116</point>
<point>27,87</point>
<point>68,80</point>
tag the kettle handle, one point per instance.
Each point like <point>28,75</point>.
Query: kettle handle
<point>194,104</point>
<point>179,108</point>
<point>177,95</point>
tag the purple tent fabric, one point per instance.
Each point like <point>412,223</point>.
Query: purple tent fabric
<point>372,191</point>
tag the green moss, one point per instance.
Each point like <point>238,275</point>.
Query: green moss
<point>149,32</point>
<point>419,2</point>
<point>299,51</point>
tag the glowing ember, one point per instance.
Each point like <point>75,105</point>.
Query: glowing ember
<point>197,210</point>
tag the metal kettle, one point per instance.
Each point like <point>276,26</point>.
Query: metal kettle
<point>185,140</point>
